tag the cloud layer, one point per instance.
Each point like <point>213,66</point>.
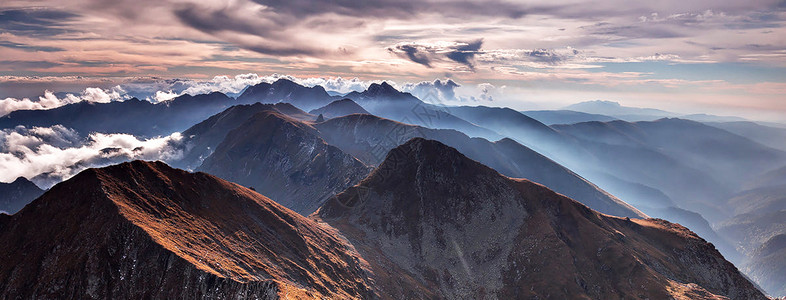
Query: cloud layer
<point>48,155</point>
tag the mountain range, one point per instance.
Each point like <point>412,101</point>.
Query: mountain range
<point>721,179</point>
<point>436,224</point>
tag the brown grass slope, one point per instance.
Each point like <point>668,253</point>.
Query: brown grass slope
<point>144,230</point>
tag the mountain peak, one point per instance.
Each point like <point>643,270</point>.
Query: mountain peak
<point>457,229</point>
<point>383,88</point>
<point>143,229</point>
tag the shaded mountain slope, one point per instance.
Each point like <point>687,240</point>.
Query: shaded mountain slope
<point>137,117</point>
<point>458,229</point>
<point>339,108</point>
<point>15,195</point>
<point>284,159</point>
<point>766,135</point>
<point>145,230</point>
<point>369,138</point>
<point>201,139</point>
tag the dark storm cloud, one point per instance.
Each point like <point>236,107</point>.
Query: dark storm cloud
<point>35,21</point>
<point>414,54</point>
<point>465,52</point>
<point>424,53</point>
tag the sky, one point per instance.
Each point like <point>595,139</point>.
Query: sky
<point>705,56</point>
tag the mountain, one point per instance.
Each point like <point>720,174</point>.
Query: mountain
<point>385,101</point>
<point>339,108</point>
<point>768,265</point>
<point>145,230</point>
<point>551,117</point>
<point>201,139</point>
<point>433,223</point>
<point>284,159</point>
<point>704,118</point>
<point>771,136</point>
<point>137,117</point>
<point>525,130</point>
<point>614,109</point>
<point>688,161</point>
<point>283,90</point>
<point>15,195</point>
<point>370,138</point>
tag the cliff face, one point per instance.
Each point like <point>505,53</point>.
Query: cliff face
<point>433,223</point>
<point>142,230</point>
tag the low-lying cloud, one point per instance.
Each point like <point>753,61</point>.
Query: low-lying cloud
<point>48,155</point>
<point>49,100</point>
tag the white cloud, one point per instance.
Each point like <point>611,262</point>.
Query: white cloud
<point>49,100</point>
<point>48,155</point>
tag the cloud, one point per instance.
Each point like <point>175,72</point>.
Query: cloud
<point>433,91</point>
<point>448,91</point>
<point>48,155</point>
<point>35,21</point>
<point>425,53</point>
<point>465,52</point>
<point>49,100</point>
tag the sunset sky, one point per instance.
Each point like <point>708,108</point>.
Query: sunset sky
<point>720,57</point>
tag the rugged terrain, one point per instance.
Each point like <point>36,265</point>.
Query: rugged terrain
<point>145,230</point>
<point>458,229</point>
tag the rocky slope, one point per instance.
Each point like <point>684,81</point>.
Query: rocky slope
<point>145,230</point>
<point>457,229</point>
<point>286,160</point>
<point>15,195</point>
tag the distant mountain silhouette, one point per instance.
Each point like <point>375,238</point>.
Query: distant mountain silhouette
<point>774,137</point>
<point>552,117</point>
<point>339,108</point>
<point>615,109</point>
<point>137,117</point>
<point>283,90</point>
<point>15,195</point>
<point>455,228</point>
<point>385,101</point>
